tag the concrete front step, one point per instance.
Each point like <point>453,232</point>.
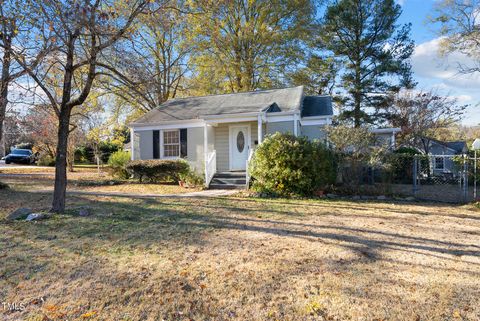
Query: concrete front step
<point>228,180</point>
<point>230,175</point>
<point>222,186</point>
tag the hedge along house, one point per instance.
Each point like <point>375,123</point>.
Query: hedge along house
<point>218,133</point>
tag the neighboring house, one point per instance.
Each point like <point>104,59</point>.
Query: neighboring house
<point>218,133</point>
<point>385,136</point>
<point>442,160</point>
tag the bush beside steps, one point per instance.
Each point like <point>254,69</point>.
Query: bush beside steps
<point>285,165</point>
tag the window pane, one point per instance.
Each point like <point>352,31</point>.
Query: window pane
<point>171,151</point>
<point>171,137</point>
<point>439,162</point>
<point>171,143</point>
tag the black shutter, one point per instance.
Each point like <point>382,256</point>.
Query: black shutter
<point>183,142</point>
<point>156,144</point>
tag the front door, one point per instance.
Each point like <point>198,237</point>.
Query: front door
<point>239,147</point>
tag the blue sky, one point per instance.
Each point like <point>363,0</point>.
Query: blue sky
<point>434,71</point>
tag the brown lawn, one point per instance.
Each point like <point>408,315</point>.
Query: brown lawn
<point>237,258</point>
<point>85,179</point>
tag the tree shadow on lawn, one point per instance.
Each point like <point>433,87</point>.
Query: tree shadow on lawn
<point>149,222</point>
<point>365,205</point>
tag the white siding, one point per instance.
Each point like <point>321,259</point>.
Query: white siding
<point>195,148</point>
<point>282,127</point>
<point>313,132</point>
<point>146,144</point>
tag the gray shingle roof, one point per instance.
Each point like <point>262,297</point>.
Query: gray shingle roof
<point>287,99</point>
<point>317,106</point>
<point>458,146</point>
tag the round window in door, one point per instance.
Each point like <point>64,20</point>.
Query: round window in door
<point>240,141</point>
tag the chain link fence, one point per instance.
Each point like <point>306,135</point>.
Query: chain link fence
<point>442,178</point>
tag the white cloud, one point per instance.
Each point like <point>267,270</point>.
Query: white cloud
<point>440,73</point>
<point>464,99</point>
<point>428,63</point>
<point>401,2</point>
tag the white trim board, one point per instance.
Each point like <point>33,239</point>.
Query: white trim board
<point>168,126</point>
<point>231,120</point>
<point>312,122</point>
<point>385,130</point>
<point>278,118</point>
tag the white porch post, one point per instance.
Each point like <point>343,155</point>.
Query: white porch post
<point>132,144</point>
<point>295,124</point>
<point>205,152</point>
<point>393,140</point>
<point>260,129</point>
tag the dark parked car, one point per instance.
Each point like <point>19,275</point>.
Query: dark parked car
<point>24,156</point>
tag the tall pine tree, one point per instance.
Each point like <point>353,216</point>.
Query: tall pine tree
<point>375,51</point>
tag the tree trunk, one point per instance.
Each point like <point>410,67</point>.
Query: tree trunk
<point>70,162</point>
<point>357,96</point>
<point>60,189</point>
<point>357,110</point>
<point>4,81</point>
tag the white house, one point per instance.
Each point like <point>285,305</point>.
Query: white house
<point>218,133</point>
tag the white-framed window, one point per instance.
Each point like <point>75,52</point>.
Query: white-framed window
<point>439,163</point>
<point>171,143</point>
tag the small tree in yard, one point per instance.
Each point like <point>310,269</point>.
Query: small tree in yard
<point>355,148</point>
<point>287,165</point>
<point>41,127</point>
<point>81,34</point>
<point>118,164</point>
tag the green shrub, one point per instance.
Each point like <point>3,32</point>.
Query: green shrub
<point>46,160</point>
<point>118,164</point>
<point>191,178</point>
<point>287,165</point>
<point>107,148</point>
<point>158,170</point>
<point>81,155</point>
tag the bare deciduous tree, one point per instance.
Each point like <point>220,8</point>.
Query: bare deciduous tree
<point>78,33</point>
<point>155,60</point>
<point>421,115</point>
